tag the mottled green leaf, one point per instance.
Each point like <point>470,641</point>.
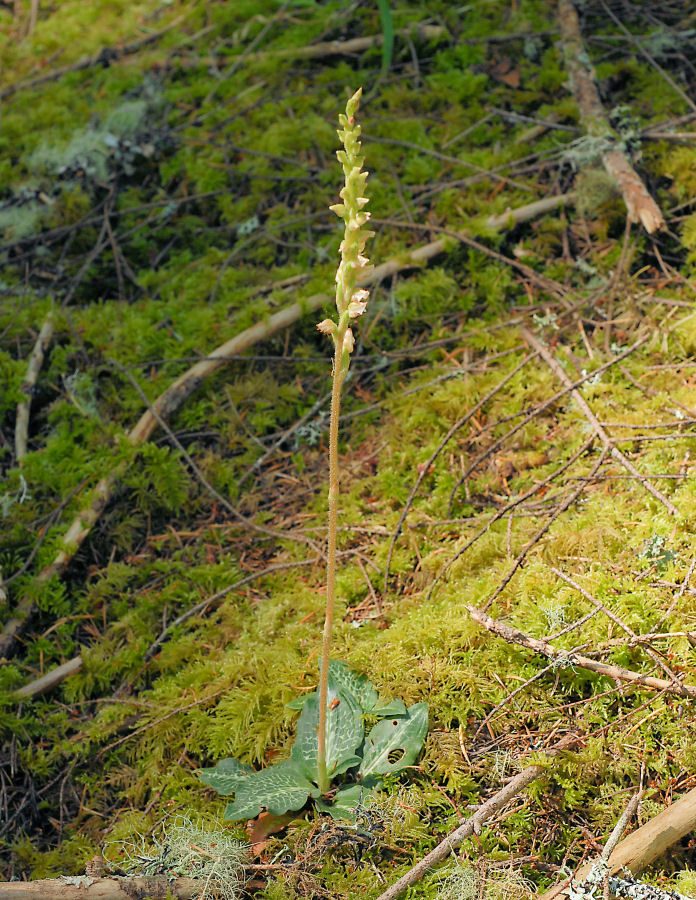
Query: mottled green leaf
<point>344,733</point>
<point>225,776</point>
<point>277,788</point>
<point>349,682</point>
<point>348,798</point>
<point>359,687</point>
<point>400,736</point>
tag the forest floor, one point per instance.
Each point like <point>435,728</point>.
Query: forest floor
<point>517,434</point>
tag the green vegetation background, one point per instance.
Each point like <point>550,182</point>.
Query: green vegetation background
<point>164,201</point>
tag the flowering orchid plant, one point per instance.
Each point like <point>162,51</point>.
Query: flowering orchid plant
<point>331,738</point>
<point>351,302</point>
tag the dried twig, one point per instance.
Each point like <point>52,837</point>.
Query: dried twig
<point>473,824</point>
<point>27,386</point>
<point>456,162</point>
<point>534,412</point>
<point>570,658</point>
<point>621,825</point>
<point>221,499</point>
<point>594,422</point>
<point>426,252</point>
<point>640,205</point>
<point>514,503</point>
<point>155,722</point>
<point>534,540</point>
<point>205,605</point>
<point>512,217</point>
<point>638,44</point>
<point>617,620</point>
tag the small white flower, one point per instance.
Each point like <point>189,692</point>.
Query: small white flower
<point>327,326</point>
<point>348,341</point>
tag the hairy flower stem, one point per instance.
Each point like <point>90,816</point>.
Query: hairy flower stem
<point>330,568</point>
<point>350,303</point>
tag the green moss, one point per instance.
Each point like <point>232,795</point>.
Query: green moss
<point>195,271</point>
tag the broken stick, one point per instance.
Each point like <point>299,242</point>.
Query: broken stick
<point>50,680</point>
<point>639,203</point>
<point>352,46</point>
<point>27,387</point>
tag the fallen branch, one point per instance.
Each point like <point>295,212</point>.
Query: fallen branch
<point>639,203</point>
<point>644,845</point>
<point>553,364</point>
<point>473,824</point>
<point>571,658</point>
<point>84,887</point>
<point>622,824</point>
<point>655,657</point>
<point>27,387</point>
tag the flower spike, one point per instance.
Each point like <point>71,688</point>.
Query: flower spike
<point>351,301</point>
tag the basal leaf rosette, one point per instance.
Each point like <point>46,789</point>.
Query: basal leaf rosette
<point>355,759</point>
